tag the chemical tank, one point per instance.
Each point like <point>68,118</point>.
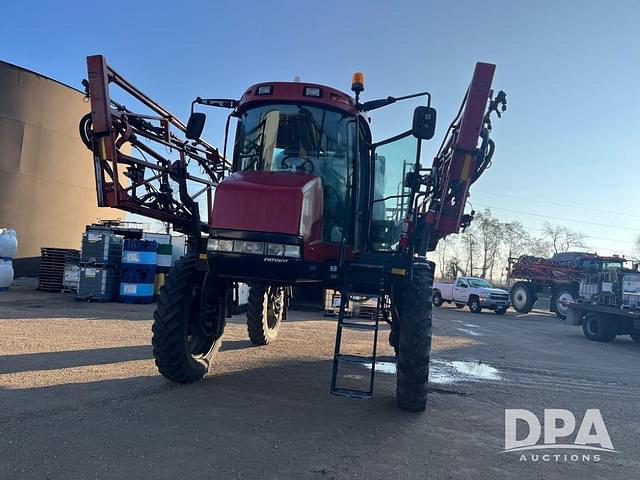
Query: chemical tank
<point>8,243</point>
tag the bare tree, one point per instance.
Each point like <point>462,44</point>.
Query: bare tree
<point>514,238</point>
<point>562,238</point>
<point>453,268</point>
<point>470,245</point>
<point>442,254</point>
<point>538,246</point>
<point>489,234</point>
<point>636,247</point>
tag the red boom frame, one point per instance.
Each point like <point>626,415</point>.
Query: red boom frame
<point>110,126</point>
<point>456,165</point>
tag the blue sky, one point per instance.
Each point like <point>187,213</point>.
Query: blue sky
<point>566,148</point>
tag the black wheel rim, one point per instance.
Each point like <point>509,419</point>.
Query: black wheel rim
<point>274,306</point>
<point>198,346</point>
<point>592,327</point>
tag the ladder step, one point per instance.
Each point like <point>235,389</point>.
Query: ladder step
<point>346,392</point>
<point>359,326</point>
<point>361,294</point>
<point>354,358</point>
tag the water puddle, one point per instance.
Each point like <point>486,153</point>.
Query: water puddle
<point>470,332</point>
<point>384,367</point>
<point>450,372</point>
<point>469,371</point>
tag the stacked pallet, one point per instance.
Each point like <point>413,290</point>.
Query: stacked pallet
<point>52,264</point>
<point>99,275</point>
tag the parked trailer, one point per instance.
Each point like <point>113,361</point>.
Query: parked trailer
<point>612,307</point>
<point>602,323</point>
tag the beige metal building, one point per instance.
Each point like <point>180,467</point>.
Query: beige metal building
<point>47,185</point>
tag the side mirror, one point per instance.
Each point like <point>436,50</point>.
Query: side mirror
<point>412,181</point>
<point>195,125</point>
<point>424,123</point>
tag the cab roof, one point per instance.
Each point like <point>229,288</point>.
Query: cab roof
<point>299,92</point>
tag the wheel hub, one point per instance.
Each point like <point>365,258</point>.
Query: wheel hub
<point>562,302</point>
<point>520,298</point>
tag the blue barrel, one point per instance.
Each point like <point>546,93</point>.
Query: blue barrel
<point>140,252</point>
<point>138,271</point>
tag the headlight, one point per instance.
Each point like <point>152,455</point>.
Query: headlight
<point>254,248</point>
<point>275,249</point>
<point>220,245</point>
<point>292,251</point>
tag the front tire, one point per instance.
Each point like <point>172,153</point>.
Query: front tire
<point>266,308</point>
<point>501,310</point>
<point>474,305</point>
<point>522,297</point>
<point>596,328</point>
<point>414,339</point>
<point>182,350</point>
<point>635,335</point>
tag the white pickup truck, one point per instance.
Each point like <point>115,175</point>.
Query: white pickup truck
<point>475,292</point>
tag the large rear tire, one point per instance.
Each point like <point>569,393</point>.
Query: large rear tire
<point>414,339</point>
<point>597,328</point>
<point>182,350</point>
<point>266,308</point>
<point>522,297</point>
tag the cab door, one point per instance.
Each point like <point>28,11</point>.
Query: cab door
<point>392,159</point>
<point>461,291</point>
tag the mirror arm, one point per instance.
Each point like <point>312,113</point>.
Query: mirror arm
<point>383,102</point>
<point>216,102</point>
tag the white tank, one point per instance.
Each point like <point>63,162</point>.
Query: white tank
<point>6,274</point>
<point>8,243</point>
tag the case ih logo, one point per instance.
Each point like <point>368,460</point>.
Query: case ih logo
<point>276,260</point>
<point>553,434</point>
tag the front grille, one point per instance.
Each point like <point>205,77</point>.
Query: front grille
<point>499,296</point>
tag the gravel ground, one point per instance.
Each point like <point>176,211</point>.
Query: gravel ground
<point>80,398</point>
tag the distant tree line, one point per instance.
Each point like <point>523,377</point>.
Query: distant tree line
<point>485,247</point>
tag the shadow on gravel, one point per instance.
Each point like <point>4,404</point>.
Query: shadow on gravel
<point>228,345</point>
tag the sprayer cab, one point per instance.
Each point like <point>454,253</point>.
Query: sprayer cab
<point>301,197</point>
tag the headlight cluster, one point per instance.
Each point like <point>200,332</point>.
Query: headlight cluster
<point>253,248</point>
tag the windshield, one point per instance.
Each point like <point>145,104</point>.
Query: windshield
<point>479,283</point>
<point>611,265</point>
<point>302,139</point>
